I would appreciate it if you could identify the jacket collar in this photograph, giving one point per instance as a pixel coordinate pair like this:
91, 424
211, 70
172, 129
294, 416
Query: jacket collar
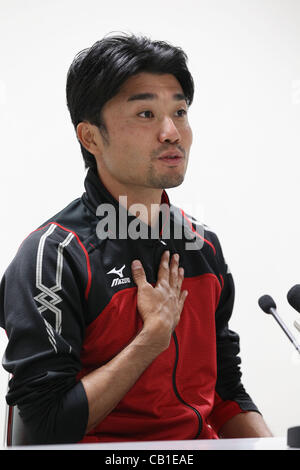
96, 194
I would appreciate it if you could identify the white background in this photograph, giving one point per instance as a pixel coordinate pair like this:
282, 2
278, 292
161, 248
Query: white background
244, 166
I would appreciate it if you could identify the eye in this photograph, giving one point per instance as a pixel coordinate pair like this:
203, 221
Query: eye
181, 112
146, 114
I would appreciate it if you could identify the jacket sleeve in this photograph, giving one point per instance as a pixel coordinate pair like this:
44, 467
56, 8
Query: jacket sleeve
42, 311
230, 395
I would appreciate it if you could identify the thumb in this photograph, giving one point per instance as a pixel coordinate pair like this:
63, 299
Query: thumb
138, 272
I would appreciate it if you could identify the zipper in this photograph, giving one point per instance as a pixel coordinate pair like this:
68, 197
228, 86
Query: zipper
176, 390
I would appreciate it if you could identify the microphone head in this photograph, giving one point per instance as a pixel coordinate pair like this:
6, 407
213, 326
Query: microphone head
266, 303
293, 297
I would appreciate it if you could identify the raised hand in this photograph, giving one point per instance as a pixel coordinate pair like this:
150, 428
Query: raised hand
160, 307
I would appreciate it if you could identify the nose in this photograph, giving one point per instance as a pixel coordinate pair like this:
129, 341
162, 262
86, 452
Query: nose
168, 131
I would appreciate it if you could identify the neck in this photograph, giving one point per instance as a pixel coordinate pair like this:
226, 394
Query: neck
143, 203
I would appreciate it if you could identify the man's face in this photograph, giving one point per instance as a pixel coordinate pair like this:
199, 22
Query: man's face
149, 137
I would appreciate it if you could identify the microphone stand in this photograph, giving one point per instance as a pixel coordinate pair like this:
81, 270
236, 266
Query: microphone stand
268, 305
293, 437
293, 433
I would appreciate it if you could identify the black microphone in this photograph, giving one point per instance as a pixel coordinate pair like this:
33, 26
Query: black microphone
268, 305
293, 297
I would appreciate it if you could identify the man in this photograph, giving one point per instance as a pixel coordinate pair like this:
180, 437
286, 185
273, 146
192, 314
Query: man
115, 337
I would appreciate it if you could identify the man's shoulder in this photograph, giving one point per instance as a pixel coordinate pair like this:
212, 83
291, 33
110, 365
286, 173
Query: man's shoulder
75, 217
73, 225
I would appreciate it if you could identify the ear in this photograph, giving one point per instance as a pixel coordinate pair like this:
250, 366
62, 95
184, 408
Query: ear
90, 137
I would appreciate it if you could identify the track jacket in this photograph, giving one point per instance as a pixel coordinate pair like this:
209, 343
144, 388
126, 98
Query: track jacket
68, 305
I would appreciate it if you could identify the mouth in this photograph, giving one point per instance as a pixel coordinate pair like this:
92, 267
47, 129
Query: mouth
172, 158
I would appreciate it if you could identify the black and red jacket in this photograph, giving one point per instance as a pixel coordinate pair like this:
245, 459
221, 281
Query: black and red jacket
68, 305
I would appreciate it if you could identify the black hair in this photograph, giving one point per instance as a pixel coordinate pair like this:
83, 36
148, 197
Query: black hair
98, 72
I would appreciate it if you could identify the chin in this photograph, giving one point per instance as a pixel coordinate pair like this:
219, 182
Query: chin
164, 181
173, 182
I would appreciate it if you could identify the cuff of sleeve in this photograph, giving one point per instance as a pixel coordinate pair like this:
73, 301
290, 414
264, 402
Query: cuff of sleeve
73, 416
62, 423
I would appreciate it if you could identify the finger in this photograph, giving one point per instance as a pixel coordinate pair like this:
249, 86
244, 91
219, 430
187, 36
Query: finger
182, 299
138, 273
180, 278
163, 270
174, 270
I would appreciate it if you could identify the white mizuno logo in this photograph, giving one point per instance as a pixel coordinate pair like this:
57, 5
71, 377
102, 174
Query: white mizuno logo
121, 279
119, 272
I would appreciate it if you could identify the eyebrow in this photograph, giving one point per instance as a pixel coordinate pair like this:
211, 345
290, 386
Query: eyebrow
153, 96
